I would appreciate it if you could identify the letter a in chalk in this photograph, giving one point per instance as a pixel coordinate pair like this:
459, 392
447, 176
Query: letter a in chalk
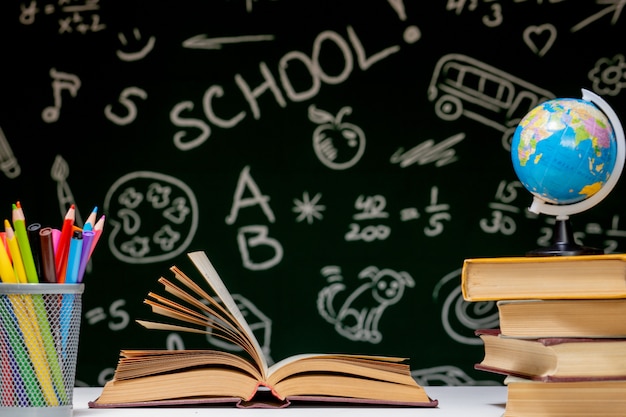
246, 181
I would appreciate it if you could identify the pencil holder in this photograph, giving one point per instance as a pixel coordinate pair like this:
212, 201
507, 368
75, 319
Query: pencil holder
39, 332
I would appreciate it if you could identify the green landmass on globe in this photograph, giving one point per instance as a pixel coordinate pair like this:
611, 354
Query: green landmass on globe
564, 150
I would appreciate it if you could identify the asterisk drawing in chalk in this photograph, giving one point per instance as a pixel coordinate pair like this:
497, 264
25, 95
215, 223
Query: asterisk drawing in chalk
308, 208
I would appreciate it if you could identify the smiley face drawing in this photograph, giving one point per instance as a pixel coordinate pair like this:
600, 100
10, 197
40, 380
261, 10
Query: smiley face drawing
338, 145
154, 217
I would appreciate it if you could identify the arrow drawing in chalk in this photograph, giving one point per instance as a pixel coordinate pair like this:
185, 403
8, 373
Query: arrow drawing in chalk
613, 6
202, 42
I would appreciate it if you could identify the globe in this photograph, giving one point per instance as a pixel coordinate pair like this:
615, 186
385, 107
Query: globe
564, 150
569, 153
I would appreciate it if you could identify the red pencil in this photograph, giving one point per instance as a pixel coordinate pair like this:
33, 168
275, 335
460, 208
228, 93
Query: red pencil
63, 246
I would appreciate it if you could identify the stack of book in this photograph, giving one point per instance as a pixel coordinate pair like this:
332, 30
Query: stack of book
561, 343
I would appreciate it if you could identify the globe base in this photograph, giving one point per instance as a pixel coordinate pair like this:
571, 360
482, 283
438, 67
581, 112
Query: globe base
563, 243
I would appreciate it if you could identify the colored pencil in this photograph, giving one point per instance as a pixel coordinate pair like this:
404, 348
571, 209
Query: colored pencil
6, 268
88, 236
91, 220
73, 259
24, 372
63, 246
3, 237
36, 310
29, 322
8, 368
97, 228
19, 227
14, 248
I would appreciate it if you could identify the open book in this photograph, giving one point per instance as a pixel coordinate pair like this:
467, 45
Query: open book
162, 377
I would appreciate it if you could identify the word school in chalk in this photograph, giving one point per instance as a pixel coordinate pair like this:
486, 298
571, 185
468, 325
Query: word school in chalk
183, 139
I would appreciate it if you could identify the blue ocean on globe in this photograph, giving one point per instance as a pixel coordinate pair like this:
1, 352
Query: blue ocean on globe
564, 150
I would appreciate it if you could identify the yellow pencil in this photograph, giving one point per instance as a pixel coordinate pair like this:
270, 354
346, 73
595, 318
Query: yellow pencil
14, 249
6, 269
26, 314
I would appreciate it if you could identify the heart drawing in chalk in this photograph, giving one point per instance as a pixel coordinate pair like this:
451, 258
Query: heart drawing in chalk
535, 36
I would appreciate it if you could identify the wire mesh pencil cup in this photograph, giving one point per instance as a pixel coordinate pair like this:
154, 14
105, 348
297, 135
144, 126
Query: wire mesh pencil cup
39, 333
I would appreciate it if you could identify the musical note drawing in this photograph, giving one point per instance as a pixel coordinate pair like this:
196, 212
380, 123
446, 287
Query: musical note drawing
60, 81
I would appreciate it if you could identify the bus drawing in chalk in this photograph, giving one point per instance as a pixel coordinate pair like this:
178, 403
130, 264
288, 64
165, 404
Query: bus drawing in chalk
464, 86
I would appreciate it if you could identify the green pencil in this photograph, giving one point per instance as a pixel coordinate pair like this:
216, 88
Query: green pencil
49, 345
19, 225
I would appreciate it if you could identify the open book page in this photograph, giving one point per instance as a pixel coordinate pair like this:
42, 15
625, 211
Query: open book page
200, 312
204, 265
389, 369
142, 363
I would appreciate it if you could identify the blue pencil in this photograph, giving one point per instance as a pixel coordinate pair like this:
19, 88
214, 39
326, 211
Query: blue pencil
73, 259
91, 220
65, 321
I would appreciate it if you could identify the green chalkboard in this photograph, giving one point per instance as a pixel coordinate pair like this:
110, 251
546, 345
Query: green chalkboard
328, 157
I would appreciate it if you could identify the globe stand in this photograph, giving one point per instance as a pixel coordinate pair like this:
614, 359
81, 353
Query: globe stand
563, 243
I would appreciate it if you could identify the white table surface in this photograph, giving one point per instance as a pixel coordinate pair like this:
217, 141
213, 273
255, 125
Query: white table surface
475, 401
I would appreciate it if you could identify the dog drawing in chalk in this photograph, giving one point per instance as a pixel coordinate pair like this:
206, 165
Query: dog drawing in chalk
358, 316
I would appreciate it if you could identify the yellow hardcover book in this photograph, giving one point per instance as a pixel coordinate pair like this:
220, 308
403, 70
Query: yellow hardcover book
526, 398
549, 277
562, 318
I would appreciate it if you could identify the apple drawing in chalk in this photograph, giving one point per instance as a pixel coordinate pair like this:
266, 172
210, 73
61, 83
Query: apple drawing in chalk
337, 144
